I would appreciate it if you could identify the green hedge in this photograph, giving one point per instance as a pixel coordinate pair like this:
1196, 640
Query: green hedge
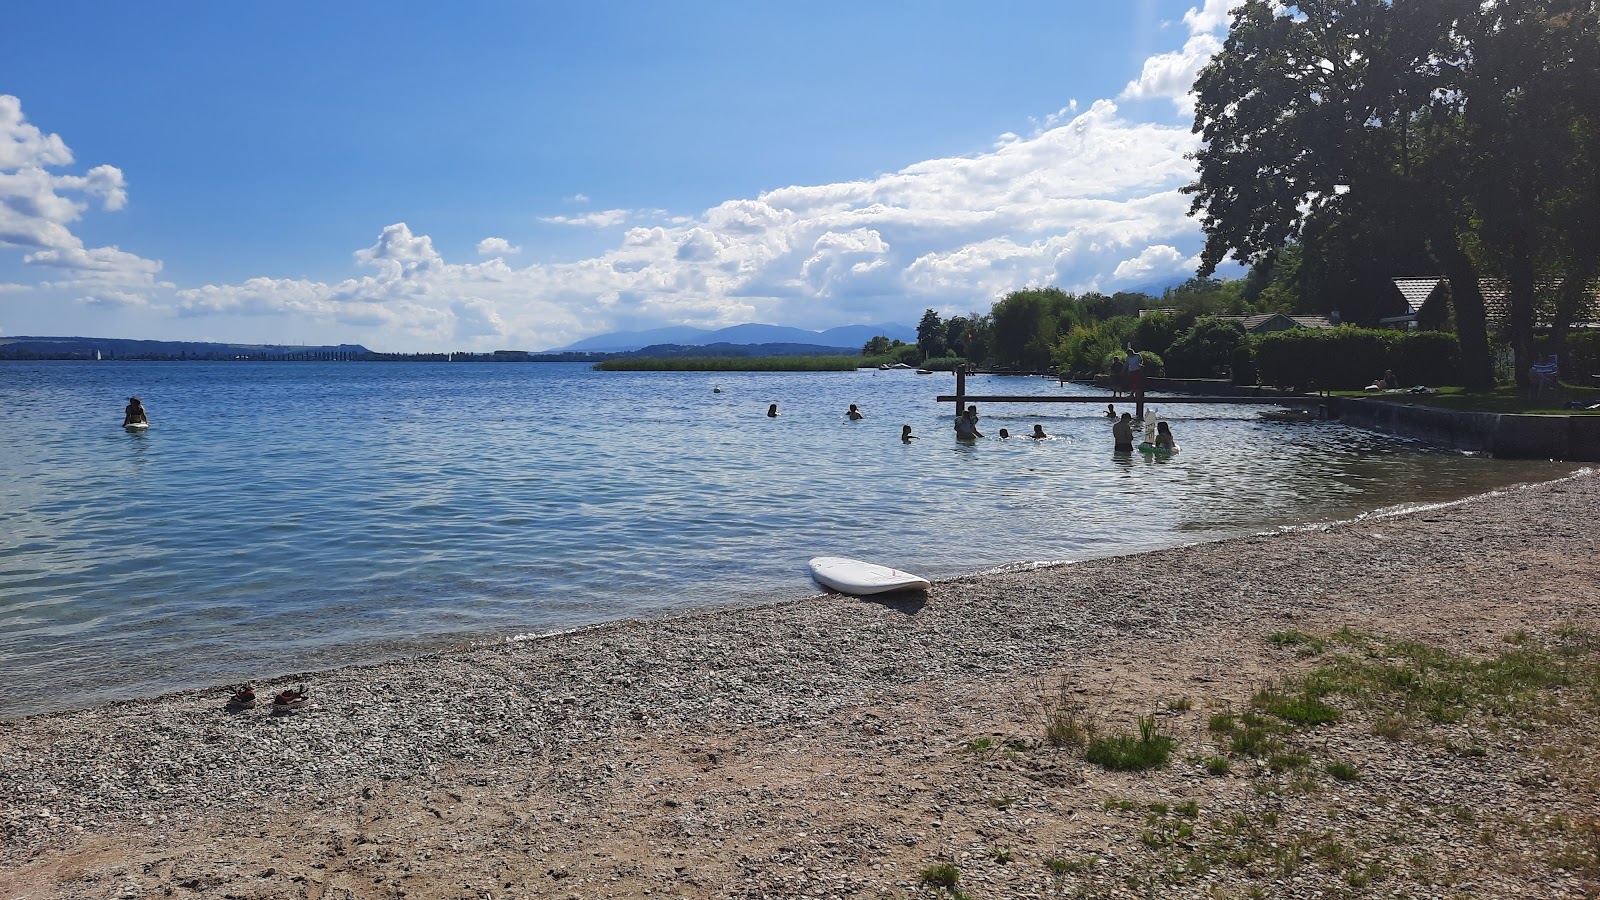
1349, 358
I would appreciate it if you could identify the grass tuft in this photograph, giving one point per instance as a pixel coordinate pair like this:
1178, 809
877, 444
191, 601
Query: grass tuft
1129, 753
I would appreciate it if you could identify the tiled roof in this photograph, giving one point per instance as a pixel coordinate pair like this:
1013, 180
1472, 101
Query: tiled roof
1497, 297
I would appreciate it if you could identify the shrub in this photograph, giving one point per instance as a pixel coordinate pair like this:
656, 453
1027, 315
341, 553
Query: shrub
1243, 367
1425, 357
1206, 350
1343, 358
944, 364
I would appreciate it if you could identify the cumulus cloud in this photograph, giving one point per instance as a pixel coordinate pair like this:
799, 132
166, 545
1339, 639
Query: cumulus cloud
37, 209
496, 246
8, 288
1171, 75
1212, 17
1070, 205
1153, 261
1087, 199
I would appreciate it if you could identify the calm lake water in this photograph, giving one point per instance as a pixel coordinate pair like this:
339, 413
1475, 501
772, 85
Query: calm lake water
282, 517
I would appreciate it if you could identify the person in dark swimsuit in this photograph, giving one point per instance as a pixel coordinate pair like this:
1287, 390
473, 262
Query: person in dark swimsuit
134, 414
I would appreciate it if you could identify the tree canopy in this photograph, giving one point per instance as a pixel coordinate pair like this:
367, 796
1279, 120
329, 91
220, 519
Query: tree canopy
1380, 134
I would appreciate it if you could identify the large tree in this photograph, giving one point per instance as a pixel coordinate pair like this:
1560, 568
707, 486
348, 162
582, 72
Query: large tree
1452, 123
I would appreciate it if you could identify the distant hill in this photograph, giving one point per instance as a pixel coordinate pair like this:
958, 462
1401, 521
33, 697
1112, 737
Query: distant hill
30, 347
723, 349
851, 336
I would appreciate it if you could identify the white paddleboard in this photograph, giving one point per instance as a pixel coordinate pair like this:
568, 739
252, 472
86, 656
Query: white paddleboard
136, 426
852, 576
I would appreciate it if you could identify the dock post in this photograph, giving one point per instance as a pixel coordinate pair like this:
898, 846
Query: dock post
961, 389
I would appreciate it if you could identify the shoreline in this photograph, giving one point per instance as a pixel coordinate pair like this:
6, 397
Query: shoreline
703, 753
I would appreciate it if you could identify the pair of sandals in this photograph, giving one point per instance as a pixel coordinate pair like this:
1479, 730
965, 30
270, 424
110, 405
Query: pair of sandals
285, 702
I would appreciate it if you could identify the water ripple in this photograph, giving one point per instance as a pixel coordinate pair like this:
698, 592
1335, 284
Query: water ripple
283, 517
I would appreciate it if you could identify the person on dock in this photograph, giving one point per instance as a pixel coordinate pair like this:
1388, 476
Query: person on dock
1122, 431
1118, 376
1038, 432
854, 414
134, 413
772, 411
906, 436
1164, 440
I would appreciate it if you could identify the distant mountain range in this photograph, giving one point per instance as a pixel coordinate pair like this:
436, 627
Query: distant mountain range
852, 337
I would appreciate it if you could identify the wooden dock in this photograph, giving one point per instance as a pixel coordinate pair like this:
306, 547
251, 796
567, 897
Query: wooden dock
961, 398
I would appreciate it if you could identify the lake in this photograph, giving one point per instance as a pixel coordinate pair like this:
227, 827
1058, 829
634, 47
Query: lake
284, 517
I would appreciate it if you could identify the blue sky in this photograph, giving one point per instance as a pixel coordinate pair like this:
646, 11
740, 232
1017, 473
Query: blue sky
514, 175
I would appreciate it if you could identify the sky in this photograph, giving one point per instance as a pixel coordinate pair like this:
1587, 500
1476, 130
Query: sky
516, 175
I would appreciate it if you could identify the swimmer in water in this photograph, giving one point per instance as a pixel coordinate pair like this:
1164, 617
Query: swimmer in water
1038, 432
854, 414
772, 411
906, 436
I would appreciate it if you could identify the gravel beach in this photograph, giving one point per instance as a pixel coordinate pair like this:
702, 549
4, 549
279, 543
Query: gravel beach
836, 747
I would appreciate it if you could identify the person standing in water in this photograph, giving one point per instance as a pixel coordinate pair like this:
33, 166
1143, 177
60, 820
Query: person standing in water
854, 414
906, 436
1038, 432
772, 411
134, 413
967, 425
1122, 431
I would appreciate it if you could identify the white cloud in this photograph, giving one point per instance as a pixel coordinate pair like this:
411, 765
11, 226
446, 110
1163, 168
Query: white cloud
1212, 17
496, 246
8, 288
1170, 76
115, 300
601, 219
578, 198
1065, 206
1155, 261
1086, 200
36, 210
24, 146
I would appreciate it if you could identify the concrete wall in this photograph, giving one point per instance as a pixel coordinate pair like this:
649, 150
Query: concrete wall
1504, 435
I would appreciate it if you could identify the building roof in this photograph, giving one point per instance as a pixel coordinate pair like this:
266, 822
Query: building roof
1496, 298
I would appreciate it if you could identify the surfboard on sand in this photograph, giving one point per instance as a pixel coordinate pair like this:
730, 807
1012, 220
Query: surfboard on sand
852, 576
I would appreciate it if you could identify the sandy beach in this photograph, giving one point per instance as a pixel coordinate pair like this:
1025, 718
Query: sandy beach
835, 747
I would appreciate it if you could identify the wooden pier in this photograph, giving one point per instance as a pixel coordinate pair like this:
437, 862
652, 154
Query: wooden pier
961, 398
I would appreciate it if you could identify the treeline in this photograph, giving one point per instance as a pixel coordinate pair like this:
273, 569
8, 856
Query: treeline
1048, 329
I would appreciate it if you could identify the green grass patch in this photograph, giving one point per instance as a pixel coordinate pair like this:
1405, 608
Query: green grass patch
1131, 753
1342, 771
1060, 865
941, 875
1217, 765
1304, 644
1299, 707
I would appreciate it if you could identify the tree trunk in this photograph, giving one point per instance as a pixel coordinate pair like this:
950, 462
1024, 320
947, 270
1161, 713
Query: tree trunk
1522, 309
1472, 330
